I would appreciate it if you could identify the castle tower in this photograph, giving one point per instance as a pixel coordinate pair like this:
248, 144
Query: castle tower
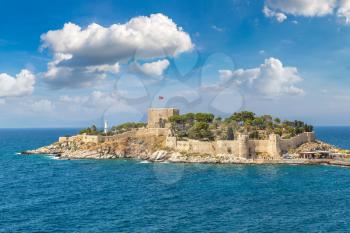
158, 117
243, 146
105, 127
274, 148
310, 136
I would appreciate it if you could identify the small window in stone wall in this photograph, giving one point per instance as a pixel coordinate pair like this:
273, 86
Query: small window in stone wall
161, 123
229, 150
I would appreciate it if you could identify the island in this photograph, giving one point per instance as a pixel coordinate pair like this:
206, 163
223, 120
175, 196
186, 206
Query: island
168, 136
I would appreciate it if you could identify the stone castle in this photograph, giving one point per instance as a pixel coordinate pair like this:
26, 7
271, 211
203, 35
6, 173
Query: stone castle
241, 148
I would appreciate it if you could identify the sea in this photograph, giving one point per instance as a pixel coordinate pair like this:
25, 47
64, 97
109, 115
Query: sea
42, 194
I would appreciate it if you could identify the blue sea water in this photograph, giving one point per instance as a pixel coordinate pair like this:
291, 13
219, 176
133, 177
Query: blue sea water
40, 194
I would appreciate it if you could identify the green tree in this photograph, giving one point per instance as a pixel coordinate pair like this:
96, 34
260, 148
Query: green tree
242, 117
267, 118
90, 131
308, 128
278, 131
218, 119
179, 125
259, 122
230, 134
188, 118
94, 128
277, 121
178, 119
127, 127
204, 117
200, 131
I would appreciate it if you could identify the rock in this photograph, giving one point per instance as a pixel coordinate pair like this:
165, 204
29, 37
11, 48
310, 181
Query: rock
160, 155
315, 146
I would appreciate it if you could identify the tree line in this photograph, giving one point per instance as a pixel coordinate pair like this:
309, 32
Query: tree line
205, 126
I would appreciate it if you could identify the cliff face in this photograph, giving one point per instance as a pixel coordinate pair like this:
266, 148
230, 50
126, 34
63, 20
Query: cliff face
139, 147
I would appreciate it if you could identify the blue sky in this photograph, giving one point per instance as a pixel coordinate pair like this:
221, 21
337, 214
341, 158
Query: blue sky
287, 58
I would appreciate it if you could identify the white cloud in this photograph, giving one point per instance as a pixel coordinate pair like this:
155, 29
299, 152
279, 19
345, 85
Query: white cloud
97, 102
21, 85
97, 99
73, 99
343, 12
306, 8
42, 106
270, 80
216, 28
280, 17
100, 99
156, 68
226, 74
2, 101
63, 76
114, 69
85, 55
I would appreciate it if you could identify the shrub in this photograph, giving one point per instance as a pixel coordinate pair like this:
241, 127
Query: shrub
128, 126
90, 131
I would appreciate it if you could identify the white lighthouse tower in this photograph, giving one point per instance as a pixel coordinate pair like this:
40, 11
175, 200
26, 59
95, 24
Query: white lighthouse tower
105, 127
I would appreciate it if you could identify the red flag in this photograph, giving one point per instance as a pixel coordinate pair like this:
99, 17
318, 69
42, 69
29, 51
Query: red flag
161, 97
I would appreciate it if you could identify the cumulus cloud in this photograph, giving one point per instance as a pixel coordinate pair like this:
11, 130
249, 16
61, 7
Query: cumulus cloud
270, 80
21, 85
60, 77
279, 9
156, 68
343, 11
280, 17
87, 54
302, 7
42, 106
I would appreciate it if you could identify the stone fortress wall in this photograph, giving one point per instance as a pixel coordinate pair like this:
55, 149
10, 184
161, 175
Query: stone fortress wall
83, 137
100, 138
242, 147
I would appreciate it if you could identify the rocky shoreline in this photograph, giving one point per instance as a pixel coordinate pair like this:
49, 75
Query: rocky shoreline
176, 157
152, 149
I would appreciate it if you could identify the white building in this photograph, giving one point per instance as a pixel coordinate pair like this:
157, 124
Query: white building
106, 127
